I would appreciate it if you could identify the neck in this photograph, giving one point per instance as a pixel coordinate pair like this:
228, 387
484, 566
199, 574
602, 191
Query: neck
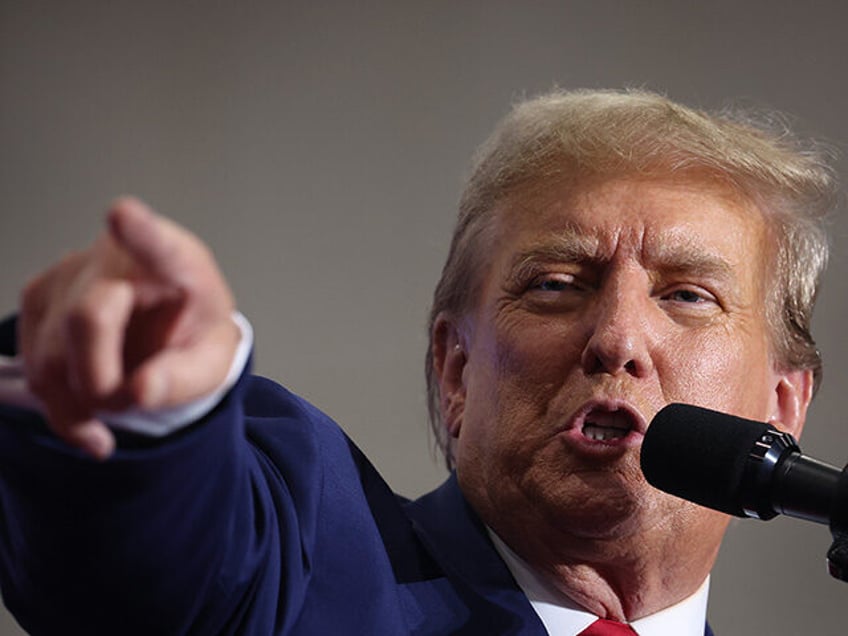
622, 578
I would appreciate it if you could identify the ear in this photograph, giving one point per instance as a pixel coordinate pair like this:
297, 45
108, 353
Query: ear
793, 393
449, 358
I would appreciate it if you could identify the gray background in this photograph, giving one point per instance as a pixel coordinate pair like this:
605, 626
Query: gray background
319, 149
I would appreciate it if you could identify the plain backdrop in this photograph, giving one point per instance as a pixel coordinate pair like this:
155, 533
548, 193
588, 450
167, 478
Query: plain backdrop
319, 148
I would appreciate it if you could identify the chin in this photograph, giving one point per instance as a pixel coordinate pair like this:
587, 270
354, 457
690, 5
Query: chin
610, 518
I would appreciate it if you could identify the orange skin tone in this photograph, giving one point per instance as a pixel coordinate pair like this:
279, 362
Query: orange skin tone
624, 294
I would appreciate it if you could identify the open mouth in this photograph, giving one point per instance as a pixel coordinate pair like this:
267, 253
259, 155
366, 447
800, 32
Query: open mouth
605, 426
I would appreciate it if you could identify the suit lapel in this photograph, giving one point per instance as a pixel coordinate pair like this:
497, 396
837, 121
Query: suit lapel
458, 540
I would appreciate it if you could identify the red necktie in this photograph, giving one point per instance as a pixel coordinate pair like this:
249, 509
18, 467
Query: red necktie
603, 627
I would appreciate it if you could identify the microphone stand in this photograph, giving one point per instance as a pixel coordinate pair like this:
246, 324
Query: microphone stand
837, 556
816, 491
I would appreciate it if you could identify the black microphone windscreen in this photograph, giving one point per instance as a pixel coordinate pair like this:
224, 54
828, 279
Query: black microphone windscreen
700, 455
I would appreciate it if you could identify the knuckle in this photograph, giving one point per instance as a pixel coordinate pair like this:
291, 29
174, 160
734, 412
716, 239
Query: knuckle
89, 314
45, 291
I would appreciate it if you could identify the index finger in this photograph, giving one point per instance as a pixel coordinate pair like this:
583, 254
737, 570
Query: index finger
160, 246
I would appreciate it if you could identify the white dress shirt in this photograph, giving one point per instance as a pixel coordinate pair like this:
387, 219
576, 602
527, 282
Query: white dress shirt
563, 617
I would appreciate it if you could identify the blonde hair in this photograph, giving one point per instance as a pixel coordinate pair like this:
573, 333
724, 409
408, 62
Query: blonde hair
583, 133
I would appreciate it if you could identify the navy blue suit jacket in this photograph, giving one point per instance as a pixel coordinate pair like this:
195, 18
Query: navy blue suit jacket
262, 519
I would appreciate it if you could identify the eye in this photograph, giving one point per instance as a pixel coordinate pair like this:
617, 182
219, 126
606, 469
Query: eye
555, 283
555, 292
686, 296
690, 297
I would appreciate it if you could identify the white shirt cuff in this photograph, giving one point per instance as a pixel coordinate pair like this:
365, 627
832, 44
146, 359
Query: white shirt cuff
152, 423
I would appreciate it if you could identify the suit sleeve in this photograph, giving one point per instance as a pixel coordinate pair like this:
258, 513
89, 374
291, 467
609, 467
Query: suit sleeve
261, 519
201, 533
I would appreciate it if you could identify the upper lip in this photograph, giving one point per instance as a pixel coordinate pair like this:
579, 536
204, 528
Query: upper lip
638, 423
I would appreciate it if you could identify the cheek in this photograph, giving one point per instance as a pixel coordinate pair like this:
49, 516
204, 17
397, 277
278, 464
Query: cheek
728, 374
512, 375
533, 362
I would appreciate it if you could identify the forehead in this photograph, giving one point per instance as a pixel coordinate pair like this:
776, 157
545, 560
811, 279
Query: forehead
652, 220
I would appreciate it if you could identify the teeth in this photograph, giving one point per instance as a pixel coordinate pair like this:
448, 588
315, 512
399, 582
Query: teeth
603, 433
605, 425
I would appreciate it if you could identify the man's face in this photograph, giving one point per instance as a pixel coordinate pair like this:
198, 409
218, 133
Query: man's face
601, 305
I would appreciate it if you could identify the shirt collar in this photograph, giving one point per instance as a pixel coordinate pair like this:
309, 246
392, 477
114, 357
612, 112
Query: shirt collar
561, 615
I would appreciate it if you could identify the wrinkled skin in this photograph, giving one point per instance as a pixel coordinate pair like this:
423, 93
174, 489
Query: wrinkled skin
618, 297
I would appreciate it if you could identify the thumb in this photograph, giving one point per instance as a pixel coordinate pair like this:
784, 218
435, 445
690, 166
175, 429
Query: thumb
178, 375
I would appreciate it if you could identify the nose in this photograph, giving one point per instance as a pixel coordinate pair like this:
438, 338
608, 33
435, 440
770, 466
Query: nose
620, 332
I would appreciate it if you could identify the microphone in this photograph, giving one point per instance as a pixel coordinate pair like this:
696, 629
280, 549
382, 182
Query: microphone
736, 466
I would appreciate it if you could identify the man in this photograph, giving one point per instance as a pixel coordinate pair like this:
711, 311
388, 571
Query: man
615, 252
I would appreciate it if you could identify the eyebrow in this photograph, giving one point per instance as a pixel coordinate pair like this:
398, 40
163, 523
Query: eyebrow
573, 246
569, 246
689, 257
